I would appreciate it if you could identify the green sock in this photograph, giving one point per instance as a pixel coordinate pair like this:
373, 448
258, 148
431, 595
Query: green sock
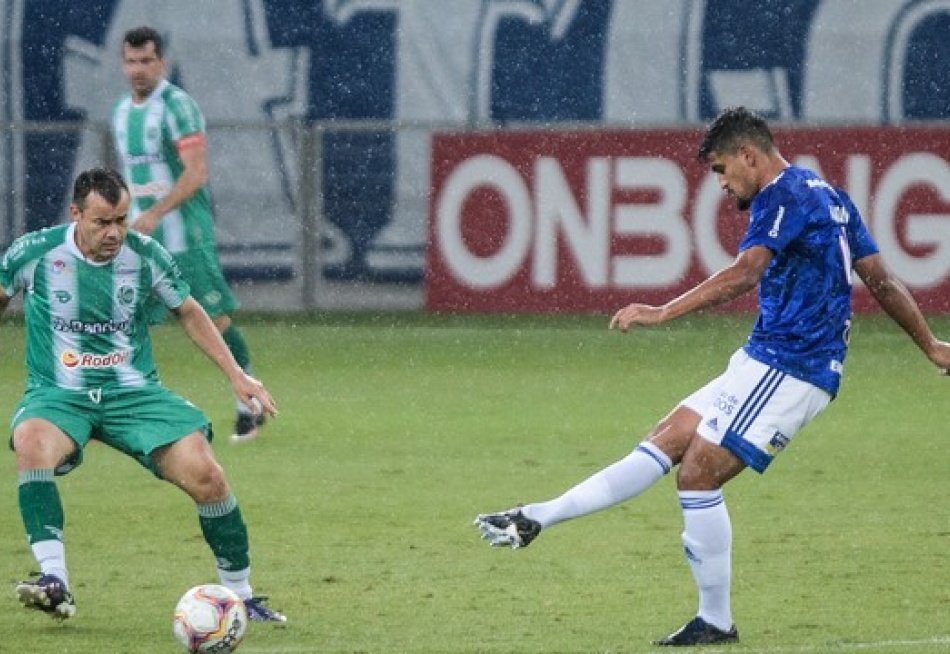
226, 534
238, 346
40, 506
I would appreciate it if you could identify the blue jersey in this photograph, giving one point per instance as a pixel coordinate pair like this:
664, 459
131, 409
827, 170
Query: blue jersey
815, 234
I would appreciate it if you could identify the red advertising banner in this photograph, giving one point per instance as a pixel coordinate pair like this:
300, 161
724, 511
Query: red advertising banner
589, 221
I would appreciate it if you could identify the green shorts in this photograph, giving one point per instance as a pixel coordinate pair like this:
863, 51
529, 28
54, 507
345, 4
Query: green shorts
135, 421
202, 270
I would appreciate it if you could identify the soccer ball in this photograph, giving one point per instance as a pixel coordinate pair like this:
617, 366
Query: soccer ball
210, 618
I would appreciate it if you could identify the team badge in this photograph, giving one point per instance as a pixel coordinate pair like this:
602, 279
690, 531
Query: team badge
778, 443
125, 295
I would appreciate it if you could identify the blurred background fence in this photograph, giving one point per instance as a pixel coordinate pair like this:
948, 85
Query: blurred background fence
275, 241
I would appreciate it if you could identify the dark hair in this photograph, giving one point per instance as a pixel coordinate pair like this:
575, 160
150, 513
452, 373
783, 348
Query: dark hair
733, 127
141, 35
105, 182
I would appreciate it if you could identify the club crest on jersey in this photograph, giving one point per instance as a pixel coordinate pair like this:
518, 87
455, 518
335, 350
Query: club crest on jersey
125, 295
63, 296
72, 359
778, 443
59, 266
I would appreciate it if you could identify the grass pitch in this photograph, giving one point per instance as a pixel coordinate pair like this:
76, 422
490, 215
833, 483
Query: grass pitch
395, 430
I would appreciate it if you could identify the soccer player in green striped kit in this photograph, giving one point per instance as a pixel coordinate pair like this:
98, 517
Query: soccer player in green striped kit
91, 374
159, 134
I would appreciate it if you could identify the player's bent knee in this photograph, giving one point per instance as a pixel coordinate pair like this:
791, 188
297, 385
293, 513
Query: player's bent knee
40, 445
210, 484
691, 477
697, 473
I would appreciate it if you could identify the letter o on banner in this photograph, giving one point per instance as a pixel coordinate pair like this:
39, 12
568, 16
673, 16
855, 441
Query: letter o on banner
479, 172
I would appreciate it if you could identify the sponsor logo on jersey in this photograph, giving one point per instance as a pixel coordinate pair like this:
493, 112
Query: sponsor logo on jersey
80, 327
112, 359
21, 244
144, 159
151, 189
726, 403
63, 296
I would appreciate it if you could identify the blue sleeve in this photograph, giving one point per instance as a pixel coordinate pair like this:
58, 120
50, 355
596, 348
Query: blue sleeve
860, 241
775, 220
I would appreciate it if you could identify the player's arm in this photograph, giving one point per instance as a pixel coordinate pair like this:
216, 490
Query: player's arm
196, 323
738, 278
899, 304
193, 152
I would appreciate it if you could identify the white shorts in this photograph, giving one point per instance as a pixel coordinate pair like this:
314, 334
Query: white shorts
754, 410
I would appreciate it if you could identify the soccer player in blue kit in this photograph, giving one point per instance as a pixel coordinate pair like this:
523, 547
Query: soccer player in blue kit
803, 242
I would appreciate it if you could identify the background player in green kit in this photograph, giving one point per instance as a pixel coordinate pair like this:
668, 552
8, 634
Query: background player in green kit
91, 374
159, 133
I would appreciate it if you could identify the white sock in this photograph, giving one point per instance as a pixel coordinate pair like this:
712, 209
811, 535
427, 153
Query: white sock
707, 540
620, 481
238, 581
51, 556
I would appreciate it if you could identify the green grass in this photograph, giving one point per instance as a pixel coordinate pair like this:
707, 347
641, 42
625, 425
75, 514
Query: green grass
396, 430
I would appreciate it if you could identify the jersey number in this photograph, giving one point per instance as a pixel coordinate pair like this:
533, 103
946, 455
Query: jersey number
846, 254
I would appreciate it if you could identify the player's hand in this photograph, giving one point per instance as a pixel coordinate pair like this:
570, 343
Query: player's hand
254, 396
636, 314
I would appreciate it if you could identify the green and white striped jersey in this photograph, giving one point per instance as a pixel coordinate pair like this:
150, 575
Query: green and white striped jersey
86, 322
147, 136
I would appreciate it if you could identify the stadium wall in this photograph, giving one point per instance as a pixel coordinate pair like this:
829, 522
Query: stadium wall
381, 104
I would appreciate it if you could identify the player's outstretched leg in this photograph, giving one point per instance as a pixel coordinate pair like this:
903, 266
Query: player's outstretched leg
47, 593
510, 528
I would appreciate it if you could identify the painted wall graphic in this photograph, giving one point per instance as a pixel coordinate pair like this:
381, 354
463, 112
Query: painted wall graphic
452, 64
